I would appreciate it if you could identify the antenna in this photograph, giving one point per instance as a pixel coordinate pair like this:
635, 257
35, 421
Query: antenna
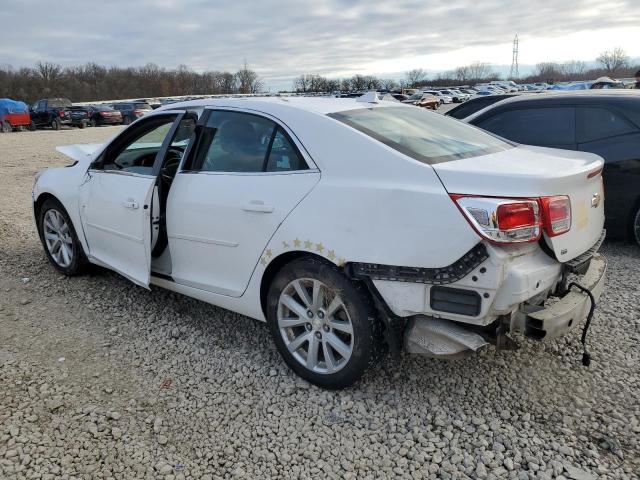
514, 59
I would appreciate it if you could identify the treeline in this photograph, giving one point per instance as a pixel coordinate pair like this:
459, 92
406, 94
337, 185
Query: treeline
614, 63
96, 82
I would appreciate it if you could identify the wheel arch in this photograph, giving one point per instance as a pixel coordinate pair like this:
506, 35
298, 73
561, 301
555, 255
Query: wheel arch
276, 265
77, 225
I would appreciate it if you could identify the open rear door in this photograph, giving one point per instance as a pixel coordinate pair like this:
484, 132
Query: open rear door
115, 210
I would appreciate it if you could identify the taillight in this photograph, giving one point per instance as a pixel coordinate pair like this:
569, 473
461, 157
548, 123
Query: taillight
516, 220
61, 113
556, 212
502, 220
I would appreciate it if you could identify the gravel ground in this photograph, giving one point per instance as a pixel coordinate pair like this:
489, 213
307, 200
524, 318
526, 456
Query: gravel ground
102, 379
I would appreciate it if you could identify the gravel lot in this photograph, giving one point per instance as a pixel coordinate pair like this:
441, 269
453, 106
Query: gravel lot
103, 379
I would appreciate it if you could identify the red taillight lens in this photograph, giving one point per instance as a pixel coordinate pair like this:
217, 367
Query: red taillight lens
61, 113
556, 212
516, 215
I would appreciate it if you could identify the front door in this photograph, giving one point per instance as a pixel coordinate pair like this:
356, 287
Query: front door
244, 179
115, 199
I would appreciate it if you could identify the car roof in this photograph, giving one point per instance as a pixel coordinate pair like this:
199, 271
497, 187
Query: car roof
596, 96
318, 105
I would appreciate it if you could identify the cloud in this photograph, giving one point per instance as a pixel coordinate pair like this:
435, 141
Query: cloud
283, 38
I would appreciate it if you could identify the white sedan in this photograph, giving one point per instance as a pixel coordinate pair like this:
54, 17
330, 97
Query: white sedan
352, 226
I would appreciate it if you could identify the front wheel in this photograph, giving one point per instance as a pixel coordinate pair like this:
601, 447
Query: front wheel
60, 240
321, 323
6, 127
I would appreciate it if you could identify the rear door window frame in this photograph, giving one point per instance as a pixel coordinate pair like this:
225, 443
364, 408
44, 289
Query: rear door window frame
188, 166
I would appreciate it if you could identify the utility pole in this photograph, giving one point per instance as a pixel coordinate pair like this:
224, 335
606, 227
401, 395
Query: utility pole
514, 59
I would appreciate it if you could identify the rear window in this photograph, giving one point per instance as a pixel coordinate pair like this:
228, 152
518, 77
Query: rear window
425, 136
103, 108
143, 106
598, 123
545, 126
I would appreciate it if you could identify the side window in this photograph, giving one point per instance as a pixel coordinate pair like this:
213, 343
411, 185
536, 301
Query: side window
42, 106
138, 154
534, 126
235, 142
284, 156
598, 123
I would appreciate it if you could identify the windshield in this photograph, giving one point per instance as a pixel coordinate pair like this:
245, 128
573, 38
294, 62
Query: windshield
425, 136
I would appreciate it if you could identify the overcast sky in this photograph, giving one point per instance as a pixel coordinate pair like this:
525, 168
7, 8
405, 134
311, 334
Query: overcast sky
283, 38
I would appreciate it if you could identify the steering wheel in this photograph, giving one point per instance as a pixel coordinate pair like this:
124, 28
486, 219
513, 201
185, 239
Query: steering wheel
171, 163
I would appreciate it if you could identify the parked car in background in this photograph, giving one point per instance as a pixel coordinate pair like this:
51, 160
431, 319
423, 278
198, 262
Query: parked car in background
476, 104
79, 116
456, 96
131, 111
245, 204
14, 115
508, 85
424, 100
51, 112
104, 115
442, 98
605, 122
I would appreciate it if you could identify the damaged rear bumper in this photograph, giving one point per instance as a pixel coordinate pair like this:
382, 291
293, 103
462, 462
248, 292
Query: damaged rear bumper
559, 317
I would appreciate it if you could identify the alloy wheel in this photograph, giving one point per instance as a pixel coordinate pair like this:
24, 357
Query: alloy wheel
315, 325
57, 237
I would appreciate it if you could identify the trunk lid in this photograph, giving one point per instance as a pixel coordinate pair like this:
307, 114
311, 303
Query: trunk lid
526, 171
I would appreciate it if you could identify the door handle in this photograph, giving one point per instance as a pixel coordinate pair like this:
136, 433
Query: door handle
257, 206
130, 204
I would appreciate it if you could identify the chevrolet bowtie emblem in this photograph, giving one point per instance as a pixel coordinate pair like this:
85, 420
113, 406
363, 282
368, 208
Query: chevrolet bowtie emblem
595, 200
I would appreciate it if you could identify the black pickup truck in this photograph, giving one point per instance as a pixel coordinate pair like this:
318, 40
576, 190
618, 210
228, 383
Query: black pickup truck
51, 112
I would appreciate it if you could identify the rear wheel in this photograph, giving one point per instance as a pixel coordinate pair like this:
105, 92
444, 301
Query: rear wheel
126, 120
92, 123
59, 238
635, 227
56, 124
321, 323
6, 127
32, 126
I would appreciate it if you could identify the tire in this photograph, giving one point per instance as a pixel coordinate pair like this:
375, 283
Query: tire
635, 227
51, 216
81, 125
345, 340
55, 124
92, 123
6, 127
32, 126
126, 120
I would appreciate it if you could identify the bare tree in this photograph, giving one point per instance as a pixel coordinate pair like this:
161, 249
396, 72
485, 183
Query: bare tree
248, 80
613, 60
573, 69
415, 76
389, 84
479, 71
